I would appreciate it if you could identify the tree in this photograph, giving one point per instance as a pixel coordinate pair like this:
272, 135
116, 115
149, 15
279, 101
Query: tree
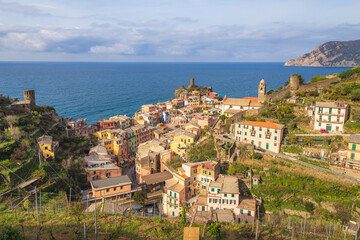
222, 118
140, 197
183, 215
293, 139
308, 141
213, 230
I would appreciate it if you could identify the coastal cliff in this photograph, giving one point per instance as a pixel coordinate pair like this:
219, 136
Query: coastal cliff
330, 54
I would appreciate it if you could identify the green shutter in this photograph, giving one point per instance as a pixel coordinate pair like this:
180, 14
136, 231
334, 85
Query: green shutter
267, 146
352, 156
354, 147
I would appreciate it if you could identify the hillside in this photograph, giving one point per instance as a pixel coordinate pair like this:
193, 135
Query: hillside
330, 54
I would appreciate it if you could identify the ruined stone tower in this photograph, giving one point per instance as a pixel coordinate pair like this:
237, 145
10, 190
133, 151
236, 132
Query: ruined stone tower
192, 82
262, 91
294, 82
29, 95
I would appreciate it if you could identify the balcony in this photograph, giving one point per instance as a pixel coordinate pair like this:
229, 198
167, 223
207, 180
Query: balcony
268, 133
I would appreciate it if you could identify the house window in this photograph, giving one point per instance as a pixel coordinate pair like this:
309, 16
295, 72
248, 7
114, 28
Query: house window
46, 148
175, 195
212, 190
121, 188
352, 156
215, 200
170, 200
225, 195
232, 195
210, 200
170, 193
94, 172
319, 124
108, 174
231, 201
114, 188
188, 140
241, 211
107, 190
260, 129
267, 146
245, 133
218, 191
249, 213
353, 147
275, 137
182, 140
209, 173
259, 135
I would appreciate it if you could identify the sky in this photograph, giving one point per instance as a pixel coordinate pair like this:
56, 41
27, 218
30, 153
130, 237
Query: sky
172, 30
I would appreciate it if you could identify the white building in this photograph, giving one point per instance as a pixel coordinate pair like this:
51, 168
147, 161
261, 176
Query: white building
224, 193
239, 104
331, 116
266, 135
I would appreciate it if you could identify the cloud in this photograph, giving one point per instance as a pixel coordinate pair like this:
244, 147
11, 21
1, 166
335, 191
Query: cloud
216, 43
184, 20
117, 48
21, 9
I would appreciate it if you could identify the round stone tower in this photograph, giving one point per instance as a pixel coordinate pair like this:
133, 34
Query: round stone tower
30, 96
192, 82
262, 91
294, 82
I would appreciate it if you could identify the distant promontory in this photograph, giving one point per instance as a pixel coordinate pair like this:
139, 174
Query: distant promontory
330, 54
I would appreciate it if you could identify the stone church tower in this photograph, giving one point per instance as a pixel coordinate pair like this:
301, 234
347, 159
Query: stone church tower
262, 91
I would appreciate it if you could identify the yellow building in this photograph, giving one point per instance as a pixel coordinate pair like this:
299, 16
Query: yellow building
47, 146
353, 154
113, 140
182, 140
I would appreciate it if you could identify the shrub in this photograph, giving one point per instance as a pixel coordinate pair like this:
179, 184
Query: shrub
257, 156
349, 73
10, 233
309, 206
317, 79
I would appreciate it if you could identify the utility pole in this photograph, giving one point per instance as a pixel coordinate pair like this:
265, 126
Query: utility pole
84, 230
69, 201
87, 206
37, 211
116, 207
95, 219
40, 203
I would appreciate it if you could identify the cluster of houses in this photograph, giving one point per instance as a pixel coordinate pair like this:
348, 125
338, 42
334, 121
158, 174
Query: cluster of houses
133, 153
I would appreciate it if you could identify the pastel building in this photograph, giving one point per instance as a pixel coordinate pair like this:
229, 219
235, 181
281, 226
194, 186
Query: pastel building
110, 187
353, 153
182, 140
123, 121
224, 193
331, 116
47, 146
102, 171
266, 135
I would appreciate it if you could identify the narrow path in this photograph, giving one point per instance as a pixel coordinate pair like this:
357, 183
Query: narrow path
322, 134
313, 166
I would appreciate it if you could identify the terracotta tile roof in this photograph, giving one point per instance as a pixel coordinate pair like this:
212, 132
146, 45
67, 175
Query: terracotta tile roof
247, 204
236, 102
253, 99
263, 124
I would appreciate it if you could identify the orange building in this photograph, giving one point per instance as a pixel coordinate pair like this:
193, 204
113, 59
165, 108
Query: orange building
110, 187
102, 171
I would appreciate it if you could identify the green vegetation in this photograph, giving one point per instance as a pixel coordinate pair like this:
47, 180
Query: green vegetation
283, 190
202, 152
317, 79
343, 91
140, 197
316, 163
236, 167
8, 232
349, 73
283, 113
175, 162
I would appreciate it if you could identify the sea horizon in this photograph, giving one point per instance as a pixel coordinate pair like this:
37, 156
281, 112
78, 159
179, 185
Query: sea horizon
98, 90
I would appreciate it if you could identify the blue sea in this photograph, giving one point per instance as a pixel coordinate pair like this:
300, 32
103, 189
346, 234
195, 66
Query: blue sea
99, 90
